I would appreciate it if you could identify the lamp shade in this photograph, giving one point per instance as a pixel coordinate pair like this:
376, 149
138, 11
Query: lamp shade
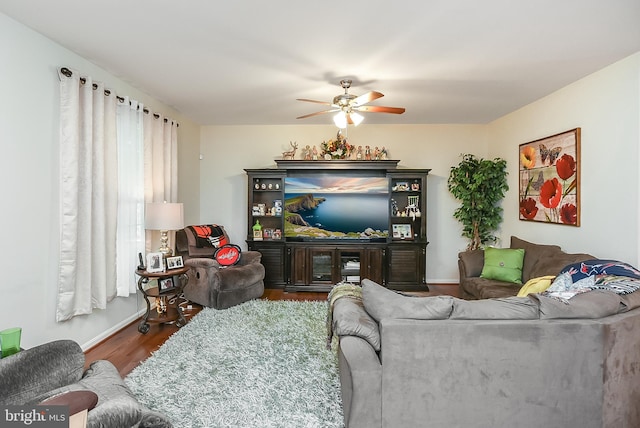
163, 216
340, 119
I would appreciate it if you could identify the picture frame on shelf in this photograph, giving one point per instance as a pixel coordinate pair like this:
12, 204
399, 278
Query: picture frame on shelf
277, 234
401, 231
167, 284
175, 262
402, 186
155, 262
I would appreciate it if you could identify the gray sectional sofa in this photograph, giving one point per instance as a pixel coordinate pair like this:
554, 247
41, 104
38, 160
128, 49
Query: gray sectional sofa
525, 362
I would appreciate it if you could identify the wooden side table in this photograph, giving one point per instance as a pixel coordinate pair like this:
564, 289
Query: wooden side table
166, 293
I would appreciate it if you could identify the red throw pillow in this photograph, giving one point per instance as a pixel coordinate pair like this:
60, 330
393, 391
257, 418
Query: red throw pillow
227, 255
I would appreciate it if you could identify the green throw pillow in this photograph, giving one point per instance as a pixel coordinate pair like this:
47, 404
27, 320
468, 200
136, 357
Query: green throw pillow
503, 264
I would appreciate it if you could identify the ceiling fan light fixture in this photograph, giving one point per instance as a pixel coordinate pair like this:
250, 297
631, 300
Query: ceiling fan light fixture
347, 104
356, 118
340, 119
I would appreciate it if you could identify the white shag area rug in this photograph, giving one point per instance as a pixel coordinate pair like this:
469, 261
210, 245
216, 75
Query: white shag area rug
259, 364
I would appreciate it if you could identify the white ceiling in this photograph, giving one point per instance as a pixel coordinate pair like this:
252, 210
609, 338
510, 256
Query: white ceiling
246, 61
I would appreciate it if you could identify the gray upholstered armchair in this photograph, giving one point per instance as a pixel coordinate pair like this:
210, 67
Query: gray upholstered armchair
42, 372
216, 286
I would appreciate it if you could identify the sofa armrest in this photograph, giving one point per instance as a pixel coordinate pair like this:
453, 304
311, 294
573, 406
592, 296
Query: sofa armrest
360, 383
250, 257
27, 375
117, 405
203, 263
470, 263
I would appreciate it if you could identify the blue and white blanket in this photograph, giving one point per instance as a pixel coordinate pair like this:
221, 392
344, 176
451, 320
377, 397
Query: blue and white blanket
597, 274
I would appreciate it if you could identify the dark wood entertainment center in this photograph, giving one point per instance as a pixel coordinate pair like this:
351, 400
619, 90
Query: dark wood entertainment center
396, 261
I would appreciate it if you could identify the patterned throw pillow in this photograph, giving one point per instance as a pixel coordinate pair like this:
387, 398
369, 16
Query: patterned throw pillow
503, 264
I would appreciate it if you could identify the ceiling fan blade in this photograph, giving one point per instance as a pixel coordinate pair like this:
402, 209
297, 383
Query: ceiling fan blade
349, 120
314, 101
317, 113
380, 109
367, 98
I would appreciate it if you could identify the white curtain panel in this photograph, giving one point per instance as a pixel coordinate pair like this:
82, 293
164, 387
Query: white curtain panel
88, 197
160, 165
131, 234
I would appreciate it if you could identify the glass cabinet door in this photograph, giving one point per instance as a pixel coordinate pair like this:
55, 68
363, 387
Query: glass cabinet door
321, 266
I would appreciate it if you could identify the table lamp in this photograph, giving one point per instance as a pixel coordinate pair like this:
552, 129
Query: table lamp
164, 217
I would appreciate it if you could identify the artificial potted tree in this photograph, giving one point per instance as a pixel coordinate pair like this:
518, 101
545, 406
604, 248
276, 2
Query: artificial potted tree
480, 185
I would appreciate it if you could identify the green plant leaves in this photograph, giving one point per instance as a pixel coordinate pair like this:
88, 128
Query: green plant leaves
480, 185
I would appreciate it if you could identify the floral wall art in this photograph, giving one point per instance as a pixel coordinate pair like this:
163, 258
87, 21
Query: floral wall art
550, 179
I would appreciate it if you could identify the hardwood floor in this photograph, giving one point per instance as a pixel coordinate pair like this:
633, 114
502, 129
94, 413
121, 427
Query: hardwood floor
127, 348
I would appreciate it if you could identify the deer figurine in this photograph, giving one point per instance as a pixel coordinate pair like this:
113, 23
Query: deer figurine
290, 155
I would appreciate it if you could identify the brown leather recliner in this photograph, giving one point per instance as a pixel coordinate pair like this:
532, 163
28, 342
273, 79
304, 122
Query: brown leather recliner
216, 286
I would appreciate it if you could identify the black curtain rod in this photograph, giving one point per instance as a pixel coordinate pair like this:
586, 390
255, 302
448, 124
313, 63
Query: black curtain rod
69, 73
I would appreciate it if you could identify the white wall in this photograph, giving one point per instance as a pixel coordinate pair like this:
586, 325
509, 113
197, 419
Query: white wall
227, 150
606, 106
29, 120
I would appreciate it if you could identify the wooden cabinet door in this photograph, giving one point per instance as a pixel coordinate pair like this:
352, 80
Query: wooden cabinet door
299, 275
273, 260
405, 265
374, 265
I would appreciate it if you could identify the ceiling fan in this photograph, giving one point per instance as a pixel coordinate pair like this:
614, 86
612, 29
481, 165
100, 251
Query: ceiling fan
348, 105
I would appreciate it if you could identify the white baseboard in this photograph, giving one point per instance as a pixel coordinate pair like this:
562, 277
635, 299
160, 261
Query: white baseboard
112, 330
441, 281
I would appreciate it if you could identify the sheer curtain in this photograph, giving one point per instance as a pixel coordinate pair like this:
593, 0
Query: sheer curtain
160, 164
130, 230
113, 159
88, 197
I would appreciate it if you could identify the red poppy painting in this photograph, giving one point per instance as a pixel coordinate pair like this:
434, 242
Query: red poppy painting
550, 179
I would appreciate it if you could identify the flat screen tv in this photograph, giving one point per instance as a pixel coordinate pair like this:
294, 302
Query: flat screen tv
330, 206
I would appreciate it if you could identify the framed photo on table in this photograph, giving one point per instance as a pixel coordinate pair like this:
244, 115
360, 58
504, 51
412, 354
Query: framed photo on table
155, 262
167, 284
401, 231
174, 262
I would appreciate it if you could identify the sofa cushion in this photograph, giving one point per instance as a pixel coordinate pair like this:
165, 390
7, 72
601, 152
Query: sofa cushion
382, 303
630, 301
508, 308
350, 319
590, 305
532, 253
482, 288
554, 263
503, 264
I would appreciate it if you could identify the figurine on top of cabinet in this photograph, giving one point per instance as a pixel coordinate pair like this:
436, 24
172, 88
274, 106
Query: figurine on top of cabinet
307, 153
290, 154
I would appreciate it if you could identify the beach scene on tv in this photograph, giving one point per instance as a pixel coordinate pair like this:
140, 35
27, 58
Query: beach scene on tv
330, 207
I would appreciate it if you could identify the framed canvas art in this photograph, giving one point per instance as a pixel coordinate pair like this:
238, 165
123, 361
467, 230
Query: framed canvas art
549, 187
